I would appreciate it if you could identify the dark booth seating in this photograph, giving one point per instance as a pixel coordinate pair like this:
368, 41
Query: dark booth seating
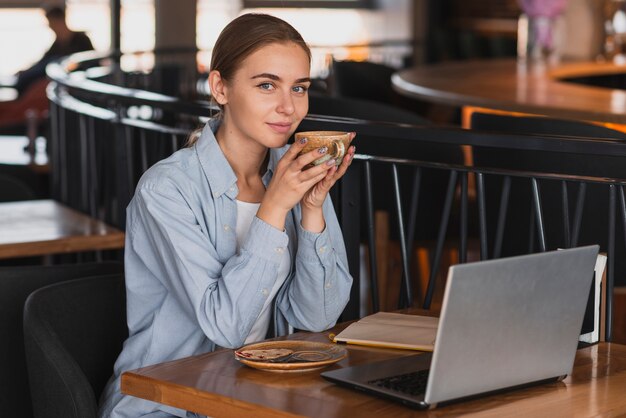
73, 332
371, 81
16, 283
362, 109
362, 80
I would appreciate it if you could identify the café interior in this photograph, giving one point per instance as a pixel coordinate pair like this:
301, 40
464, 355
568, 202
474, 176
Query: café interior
484, 129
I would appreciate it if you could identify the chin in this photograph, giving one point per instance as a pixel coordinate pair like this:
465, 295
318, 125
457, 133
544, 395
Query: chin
276, 140
280, 143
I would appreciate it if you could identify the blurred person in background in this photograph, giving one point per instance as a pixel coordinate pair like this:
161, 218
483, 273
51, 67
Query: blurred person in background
31, 83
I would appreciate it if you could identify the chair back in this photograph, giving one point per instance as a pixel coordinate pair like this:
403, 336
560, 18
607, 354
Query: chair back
362, 109
73, 332
365, 80
16, 283
362, 80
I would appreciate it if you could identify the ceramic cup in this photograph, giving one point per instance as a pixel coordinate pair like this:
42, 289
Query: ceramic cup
337, 142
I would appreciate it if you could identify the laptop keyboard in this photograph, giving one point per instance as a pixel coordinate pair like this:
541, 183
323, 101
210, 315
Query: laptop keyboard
411, 383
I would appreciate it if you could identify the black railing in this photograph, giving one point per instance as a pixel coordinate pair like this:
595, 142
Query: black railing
100, 147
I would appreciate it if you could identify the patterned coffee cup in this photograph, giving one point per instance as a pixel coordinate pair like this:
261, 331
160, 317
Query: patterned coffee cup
337, 143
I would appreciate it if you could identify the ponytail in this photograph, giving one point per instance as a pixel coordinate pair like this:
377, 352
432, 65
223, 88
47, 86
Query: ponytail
193, 138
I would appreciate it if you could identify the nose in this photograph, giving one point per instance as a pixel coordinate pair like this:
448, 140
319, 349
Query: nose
286, 104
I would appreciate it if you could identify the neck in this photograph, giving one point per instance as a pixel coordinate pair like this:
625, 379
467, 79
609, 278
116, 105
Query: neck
247, 158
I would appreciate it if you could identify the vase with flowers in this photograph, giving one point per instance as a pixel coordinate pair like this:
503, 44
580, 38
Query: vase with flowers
540, 30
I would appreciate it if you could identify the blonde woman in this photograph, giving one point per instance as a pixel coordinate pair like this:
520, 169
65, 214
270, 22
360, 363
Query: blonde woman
232, 233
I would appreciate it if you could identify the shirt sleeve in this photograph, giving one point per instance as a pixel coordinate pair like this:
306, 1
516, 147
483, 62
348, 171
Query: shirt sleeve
224, 296
321, 285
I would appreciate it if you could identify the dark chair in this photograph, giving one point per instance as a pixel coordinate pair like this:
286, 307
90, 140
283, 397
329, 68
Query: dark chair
16, 283
369, 110
371, 81
73, 332
362, 80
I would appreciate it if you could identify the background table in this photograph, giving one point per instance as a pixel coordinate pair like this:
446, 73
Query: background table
45, 227
217, 385
506, 85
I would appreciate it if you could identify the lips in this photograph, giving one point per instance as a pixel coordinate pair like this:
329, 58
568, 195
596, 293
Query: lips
280, 127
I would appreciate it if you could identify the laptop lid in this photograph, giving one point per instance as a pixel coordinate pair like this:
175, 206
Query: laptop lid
509, 322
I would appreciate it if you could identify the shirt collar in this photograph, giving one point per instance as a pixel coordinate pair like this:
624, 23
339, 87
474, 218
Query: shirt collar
217, 170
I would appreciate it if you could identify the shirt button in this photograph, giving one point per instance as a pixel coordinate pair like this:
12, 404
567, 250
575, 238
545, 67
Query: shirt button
328, 285
232, 188
323, 249
215, 194
279, 250
226, 228
264, 292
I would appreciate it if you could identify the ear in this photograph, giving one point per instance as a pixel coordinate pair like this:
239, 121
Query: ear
218, 87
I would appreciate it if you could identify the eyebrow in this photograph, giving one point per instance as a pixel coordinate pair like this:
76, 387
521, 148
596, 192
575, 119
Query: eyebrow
277, 78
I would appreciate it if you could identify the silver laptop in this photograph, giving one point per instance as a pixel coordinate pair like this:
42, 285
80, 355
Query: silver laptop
504, 324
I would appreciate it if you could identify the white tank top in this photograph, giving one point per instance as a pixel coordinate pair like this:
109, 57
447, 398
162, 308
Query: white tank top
245, 214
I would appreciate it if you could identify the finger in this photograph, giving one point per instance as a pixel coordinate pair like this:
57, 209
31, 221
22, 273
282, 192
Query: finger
329, 180
311, 156
295, 148
314, 171
314, 180
345, 163
347, 159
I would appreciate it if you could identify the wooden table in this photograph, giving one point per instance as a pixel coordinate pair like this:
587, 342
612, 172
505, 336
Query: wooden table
45, 227
215, 384
506, 85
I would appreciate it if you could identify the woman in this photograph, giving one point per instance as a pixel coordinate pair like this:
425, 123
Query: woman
233, 231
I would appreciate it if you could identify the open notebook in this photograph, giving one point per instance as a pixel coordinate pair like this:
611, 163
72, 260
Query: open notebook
394, 330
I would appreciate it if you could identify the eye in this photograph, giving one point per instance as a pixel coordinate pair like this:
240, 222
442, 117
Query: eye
266, 86
299, 89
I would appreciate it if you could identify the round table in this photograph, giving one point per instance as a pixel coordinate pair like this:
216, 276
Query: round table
507, 85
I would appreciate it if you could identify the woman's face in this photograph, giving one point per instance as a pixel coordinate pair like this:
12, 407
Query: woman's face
267, 96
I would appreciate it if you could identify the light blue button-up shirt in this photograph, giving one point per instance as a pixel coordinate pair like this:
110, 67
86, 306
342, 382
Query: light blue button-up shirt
188, 289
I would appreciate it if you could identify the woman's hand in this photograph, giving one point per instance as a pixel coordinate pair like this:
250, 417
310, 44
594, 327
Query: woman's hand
315, 196
290, 182
313, 199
